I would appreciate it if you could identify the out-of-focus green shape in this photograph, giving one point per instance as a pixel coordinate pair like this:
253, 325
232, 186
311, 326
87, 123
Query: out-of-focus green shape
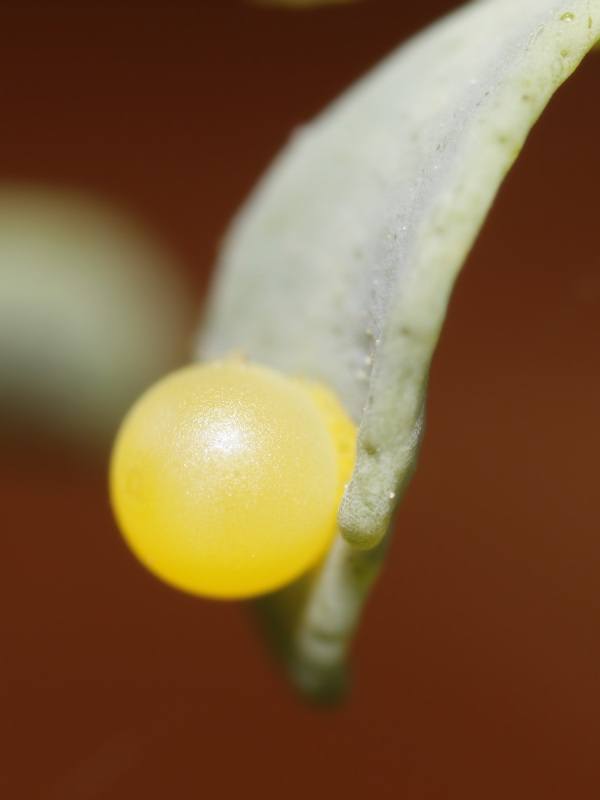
341, 263
91, 312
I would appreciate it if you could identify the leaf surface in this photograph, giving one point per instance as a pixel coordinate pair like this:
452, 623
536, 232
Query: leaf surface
341, 264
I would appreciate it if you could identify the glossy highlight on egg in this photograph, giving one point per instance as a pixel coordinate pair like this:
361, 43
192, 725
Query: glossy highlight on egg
226, 477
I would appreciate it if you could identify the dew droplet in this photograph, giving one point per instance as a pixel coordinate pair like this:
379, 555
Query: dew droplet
567, 17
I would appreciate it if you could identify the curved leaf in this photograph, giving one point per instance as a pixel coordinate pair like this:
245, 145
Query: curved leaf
341, 264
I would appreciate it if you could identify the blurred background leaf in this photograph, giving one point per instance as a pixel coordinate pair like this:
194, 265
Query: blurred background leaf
92, 311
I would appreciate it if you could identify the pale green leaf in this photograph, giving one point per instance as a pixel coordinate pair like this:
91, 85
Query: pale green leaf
341, 264
91, 312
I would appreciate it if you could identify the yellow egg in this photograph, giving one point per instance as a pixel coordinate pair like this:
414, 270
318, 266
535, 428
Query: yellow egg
226, 477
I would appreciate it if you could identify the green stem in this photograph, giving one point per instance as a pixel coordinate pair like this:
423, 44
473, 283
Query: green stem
311, 623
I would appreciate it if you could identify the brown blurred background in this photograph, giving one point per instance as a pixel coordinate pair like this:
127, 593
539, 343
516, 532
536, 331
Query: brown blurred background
477, 668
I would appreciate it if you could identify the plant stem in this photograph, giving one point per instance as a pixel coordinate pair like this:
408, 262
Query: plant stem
311, 623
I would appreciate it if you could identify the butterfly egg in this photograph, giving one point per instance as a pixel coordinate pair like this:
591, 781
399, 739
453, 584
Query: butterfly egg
226, 477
